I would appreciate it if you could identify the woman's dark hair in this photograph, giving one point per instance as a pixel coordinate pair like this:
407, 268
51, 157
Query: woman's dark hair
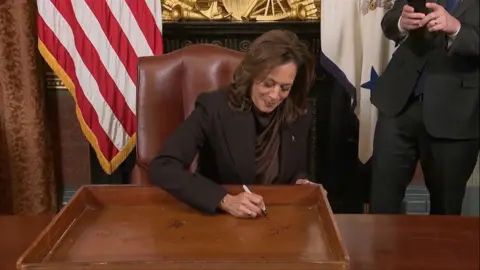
272, 49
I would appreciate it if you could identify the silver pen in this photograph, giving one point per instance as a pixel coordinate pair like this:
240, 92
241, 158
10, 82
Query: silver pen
264, 209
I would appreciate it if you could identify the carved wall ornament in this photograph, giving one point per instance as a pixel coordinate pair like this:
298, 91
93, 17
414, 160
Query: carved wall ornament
240, 10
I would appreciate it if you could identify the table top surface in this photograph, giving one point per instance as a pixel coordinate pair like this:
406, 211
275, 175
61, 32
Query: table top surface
373, 241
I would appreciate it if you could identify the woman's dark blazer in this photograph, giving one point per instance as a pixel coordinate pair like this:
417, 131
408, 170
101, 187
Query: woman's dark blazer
225, 142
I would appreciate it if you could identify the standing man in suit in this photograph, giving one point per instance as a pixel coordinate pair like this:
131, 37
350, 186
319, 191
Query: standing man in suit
428, 102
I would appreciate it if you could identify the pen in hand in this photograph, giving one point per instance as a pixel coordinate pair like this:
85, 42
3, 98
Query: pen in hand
264, 209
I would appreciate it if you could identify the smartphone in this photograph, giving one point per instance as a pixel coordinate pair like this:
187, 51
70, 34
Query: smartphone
419, 6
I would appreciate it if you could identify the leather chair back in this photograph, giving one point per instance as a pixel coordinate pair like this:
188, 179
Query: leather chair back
167, 88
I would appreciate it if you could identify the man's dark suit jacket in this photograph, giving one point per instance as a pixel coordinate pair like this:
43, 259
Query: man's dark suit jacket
451, 92
225, 142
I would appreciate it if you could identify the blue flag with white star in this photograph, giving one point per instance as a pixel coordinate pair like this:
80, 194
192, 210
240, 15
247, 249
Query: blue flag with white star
355, 52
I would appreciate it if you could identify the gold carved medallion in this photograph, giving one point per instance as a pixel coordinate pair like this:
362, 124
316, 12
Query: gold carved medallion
238, 8
372, 5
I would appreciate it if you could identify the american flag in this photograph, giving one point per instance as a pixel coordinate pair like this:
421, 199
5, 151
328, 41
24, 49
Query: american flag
355, 52
93, 46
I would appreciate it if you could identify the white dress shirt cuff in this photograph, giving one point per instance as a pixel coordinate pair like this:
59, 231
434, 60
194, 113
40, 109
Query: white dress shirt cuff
452, 37
403, 32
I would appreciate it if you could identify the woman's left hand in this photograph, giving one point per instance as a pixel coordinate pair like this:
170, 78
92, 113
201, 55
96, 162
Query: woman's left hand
308, 182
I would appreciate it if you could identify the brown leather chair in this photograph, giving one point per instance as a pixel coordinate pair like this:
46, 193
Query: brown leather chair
168, 86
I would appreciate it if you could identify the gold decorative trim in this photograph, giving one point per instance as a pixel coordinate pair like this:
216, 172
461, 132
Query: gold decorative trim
240, 10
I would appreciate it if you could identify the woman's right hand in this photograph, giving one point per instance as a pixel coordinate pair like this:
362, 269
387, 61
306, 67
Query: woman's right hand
243, 205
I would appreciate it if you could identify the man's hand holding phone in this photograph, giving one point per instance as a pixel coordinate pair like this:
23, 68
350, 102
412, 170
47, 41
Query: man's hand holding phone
411, 20
419, 13
440, 20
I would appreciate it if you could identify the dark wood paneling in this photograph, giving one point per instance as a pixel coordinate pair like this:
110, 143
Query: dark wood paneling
71, 149
235, 35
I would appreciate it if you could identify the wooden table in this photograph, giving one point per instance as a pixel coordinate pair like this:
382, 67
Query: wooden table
16, 234
411, 242
373, 242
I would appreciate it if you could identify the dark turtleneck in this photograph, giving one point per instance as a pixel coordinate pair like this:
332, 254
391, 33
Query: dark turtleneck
267, 145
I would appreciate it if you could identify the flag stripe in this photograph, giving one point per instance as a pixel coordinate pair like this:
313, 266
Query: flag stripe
115, 68
156, 10
93, 46
146, 21
64, 59
83, 59
130, 27
110, 74
116, 111
116, 36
